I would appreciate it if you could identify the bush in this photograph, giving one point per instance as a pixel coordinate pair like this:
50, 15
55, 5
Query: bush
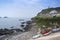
45, 21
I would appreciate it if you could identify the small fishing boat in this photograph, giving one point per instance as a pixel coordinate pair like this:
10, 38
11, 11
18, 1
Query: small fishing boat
56, 30
46, 31
36, 36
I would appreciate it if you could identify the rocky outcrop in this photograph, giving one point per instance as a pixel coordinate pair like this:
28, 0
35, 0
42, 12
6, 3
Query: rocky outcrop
26, 35
49, 12
46, 11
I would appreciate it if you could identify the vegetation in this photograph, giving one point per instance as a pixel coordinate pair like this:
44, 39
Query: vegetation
46, 21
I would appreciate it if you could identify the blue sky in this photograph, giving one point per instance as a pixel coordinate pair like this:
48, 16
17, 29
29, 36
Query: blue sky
25, 8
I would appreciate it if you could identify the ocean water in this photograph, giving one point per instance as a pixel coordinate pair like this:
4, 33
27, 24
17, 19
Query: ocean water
11, 22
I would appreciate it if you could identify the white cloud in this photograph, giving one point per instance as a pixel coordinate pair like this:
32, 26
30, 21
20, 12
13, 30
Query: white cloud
21, 8
17, 9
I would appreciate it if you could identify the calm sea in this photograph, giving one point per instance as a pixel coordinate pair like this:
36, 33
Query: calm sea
11, 22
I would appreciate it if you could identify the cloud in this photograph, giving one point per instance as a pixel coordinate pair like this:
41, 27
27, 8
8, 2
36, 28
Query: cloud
24, 8
20, 8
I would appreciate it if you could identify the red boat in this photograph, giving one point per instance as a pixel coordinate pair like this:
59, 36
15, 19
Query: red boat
46, 32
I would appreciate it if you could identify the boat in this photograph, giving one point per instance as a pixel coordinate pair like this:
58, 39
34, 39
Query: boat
56, 30
45, 32
36, 36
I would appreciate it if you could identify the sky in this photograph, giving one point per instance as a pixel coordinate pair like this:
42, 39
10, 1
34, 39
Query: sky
25, 8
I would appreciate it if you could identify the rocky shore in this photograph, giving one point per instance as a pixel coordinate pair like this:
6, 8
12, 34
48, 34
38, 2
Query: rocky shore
33, 31
26, 35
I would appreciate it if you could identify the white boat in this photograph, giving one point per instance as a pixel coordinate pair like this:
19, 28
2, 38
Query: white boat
36, 36
56, 30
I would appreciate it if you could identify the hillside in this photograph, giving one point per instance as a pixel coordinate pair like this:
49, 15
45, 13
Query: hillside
48, 18
46, 11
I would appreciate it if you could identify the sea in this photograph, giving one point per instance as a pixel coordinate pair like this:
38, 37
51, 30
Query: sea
12, 22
